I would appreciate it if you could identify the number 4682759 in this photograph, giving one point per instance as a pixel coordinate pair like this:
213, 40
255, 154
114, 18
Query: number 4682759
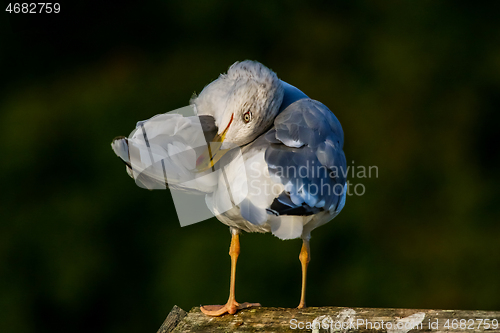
33, 8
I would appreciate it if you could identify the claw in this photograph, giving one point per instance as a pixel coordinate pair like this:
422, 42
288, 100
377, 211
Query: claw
230, 307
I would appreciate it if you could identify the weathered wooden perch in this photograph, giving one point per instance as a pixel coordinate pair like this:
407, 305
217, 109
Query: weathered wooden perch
333, 319
172, 320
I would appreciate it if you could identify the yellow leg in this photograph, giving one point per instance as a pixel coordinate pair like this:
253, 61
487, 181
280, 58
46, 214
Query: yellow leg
234, 252
231, 306
304, 257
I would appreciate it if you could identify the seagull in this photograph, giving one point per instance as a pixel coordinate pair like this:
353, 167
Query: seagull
279, 155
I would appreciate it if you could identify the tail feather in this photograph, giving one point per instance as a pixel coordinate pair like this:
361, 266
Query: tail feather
162, 152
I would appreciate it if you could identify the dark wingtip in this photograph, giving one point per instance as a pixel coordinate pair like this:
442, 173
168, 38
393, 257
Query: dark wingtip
119, 138
120, 149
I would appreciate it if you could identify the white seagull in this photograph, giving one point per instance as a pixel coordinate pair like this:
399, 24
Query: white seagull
290, 176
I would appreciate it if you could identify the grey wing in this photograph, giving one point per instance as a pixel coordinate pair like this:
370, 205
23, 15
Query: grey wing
305, 155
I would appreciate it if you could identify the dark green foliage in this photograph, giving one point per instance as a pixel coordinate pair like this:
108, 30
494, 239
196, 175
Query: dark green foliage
414, 83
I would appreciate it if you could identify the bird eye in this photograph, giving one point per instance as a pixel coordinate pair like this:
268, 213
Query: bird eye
247, 116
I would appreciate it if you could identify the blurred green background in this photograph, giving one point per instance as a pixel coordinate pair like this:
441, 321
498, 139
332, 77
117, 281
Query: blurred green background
415, 85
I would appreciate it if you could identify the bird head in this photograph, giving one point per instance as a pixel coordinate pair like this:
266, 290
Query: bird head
254, 96
244, 103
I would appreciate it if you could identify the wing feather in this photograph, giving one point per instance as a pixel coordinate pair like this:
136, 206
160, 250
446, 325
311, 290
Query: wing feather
162, 152
308, 160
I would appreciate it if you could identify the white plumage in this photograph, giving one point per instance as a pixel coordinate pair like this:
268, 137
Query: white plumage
275, 162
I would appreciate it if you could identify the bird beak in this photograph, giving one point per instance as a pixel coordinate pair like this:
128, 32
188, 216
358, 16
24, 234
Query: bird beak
213, 153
